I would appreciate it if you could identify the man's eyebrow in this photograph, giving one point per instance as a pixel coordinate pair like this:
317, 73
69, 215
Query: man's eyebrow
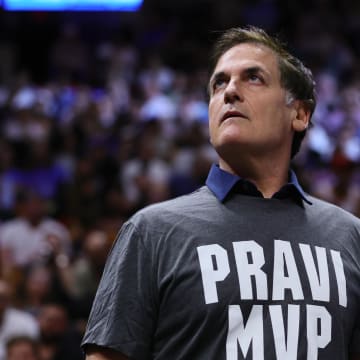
214, 77
249, 70
255, 70
218, 75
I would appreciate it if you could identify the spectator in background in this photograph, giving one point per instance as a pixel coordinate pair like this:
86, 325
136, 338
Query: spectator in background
34, 167
13, 322
145, 177
38, 286
84, 197
81, 278
58, 339
7, 186
69, 55
31, 236
22, 348
42, 284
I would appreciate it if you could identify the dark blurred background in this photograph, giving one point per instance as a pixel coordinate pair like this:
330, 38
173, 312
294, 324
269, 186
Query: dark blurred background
102, 113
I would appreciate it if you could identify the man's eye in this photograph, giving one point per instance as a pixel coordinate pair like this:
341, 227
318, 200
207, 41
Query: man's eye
255, 78
218, 83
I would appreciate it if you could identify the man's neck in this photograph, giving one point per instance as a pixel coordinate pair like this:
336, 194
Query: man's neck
268, 176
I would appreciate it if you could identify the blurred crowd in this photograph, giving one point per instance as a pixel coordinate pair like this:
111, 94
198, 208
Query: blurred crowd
78, 156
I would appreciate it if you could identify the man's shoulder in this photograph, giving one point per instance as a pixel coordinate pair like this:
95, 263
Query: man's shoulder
322, 208
194, 200
188, 205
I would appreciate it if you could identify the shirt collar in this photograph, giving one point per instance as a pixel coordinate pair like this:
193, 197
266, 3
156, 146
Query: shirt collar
220, 182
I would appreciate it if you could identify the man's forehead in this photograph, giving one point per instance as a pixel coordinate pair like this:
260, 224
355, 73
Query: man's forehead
248, 55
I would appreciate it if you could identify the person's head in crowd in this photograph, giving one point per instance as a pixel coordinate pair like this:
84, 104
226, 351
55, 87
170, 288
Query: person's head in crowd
41, 152
37, 287
294, 77
30, 205
96, 247
59, 337
6, 154
22, 348
5, 297
53, 321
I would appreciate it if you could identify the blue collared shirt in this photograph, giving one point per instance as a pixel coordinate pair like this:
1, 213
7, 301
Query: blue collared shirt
222, 183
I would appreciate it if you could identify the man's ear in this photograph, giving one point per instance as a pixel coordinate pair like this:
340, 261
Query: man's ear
301, 119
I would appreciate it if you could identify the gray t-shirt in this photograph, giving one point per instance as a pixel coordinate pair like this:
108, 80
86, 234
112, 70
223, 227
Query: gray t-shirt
250, 278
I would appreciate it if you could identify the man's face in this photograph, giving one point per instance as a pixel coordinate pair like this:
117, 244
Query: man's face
248, 110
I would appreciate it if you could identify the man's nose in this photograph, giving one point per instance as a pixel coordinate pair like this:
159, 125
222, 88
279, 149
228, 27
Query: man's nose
232, 92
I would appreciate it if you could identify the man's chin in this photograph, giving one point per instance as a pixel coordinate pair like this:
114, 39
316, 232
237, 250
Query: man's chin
231, 146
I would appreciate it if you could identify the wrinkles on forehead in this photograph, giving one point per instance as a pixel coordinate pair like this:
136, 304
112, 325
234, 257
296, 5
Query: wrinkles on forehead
258, 58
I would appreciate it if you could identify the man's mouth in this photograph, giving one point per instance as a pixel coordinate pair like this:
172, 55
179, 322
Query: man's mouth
232, 114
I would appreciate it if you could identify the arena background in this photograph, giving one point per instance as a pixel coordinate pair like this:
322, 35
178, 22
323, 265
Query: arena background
102, 113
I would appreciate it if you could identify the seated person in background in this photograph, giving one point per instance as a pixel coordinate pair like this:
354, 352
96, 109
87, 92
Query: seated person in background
13, 322
29, 237
59, 340
22, 348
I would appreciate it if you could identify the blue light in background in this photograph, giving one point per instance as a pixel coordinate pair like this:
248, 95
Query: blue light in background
72, 5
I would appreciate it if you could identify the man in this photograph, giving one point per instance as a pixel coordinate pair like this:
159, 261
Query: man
249, 266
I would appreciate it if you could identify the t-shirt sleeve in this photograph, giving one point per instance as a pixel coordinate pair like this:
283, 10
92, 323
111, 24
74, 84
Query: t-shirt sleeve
124, 310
